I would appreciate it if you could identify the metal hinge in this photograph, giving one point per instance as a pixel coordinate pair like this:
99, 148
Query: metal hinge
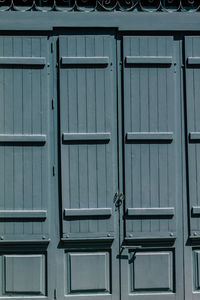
52, 47
53, 170
119, 198
52, 104
55, 294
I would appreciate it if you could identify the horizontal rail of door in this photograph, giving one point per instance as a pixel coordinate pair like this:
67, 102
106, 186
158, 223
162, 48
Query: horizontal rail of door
29, 61
87, 137
23, 214
194, 136
150, 136
86, 61
148, 60
23, 138
151, 212
90, 212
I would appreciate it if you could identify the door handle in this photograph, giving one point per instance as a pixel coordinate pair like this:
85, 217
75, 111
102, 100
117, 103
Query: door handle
131, 247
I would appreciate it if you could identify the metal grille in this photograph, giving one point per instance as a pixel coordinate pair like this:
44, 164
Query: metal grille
101, 5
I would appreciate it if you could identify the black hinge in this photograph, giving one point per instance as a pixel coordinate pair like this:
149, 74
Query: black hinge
52, 104
55, 296
53, 170
52, 48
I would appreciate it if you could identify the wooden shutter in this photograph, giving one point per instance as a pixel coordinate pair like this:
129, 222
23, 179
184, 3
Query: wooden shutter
150, 138
24, 150
192, 56
88, 135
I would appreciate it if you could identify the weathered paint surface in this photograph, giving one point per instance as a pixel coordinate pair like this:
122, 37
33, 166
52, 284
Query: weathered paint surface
99, 162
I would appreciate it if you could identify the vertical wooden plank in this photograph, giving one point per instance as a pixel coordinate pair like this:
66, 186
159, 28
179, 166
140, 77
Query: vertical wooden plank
192, 45
144, 126
100, 125
82, 127
153, 122
91, 113
18, 156
2, 129
27, 127
8, 98
37, 113
163, 100
73, 126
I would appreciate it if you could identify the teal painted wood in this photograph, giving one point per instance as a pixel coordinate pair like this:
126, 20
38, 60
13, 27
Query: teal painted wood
192, 51
23, 138
85, 256
153, 175
87, 137
149, 113
150, 136
24, 147
23, 61
150, 212
88, 133
141, 22
89, 61
90, 212
148, 60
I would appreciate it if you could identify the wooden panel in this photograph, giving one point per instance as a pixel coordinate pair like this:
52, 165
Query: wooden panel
30, 61
98, 137
196, 268
150, 137
98, 272
193, 61
194, 136
23, 214
24, 125
88, 134
160, 272
196, 210
24, 274
91, 212
149, 60
90, 61
192, 54
22, 138
151, 212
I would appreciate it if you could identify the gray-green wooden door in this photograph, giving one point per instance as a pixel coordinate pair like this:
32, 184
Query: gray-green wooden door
85, 116
89, 173
152, 168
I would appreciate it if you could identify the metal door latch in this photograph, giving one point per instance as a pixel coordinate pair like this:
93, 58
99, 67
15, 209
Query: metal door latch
131, 247
119, 198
